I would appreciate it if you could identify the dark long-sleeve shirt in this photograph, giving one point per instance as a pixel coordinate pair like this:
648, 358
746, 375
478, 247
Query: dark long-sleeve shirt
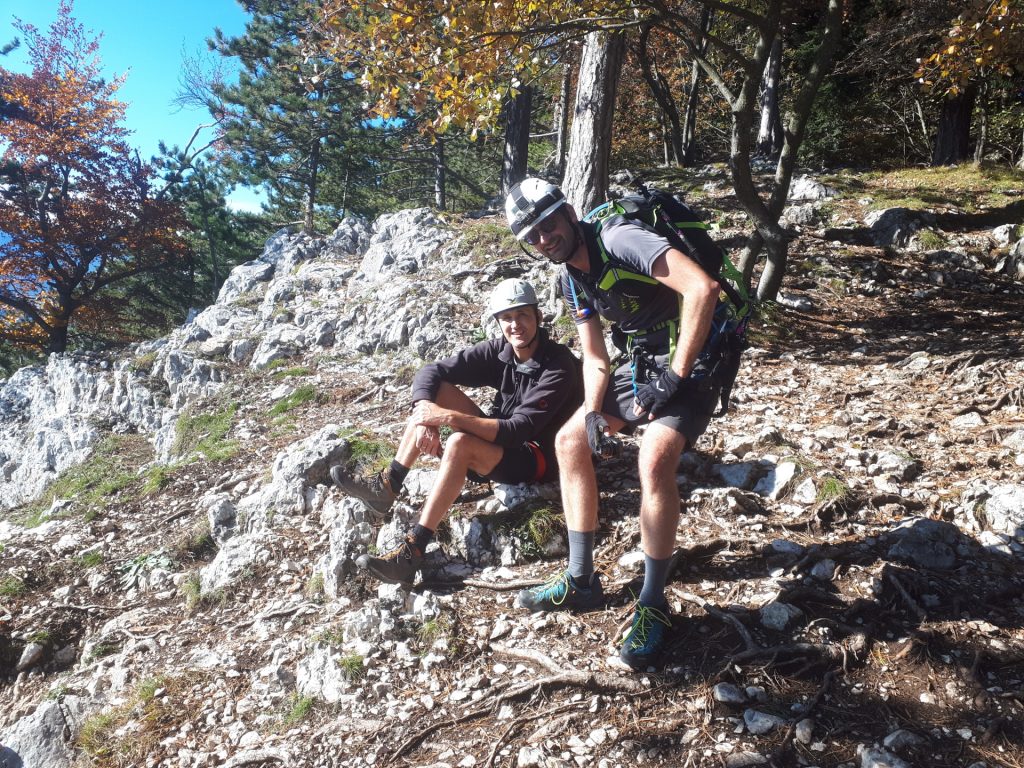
533, 399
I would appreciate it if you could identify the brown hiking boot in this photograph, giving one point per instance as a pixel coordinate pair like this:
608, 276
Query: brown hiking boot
399, 566
375, 491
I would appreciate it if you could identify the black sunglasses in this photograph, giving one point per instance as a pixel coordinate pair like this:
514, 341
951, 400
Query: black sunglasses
545, 226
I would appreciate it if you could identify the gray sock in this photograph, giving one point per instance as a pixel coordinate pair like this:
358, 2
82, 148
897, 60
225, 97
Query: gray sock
655, 575
581, 556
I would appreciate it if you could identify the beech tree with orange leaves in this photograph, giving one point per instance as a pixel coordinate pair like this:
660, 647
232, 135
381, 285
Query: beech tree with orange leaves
78, 212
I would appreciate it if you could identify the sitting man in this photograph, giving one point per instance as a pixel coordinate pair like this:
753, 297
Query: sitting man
538, 386
662, 302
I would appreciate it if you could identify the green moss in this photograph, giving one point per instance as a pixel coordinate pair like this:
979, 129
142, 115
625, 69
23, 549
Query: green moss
931, 240
206, 433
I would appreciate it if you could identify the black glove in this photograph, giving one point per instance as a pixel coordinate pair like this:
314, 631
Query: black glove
602, 444
653, 396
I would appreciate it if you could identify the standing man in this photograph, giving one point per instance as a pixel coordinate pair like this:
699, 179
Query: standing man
661, 304
537, 383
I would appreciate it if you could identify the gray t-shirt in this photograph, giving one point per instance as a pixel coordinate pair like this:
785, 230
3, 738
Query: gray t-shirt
622, 290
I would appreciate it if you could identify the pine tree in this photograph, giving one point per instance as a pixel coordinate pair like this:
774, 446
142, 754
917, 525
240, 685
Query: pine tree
293, 118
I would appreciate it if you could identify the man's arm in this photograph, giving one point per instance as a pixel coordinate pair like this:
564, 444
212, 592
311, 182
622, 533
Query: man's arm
596, 363
431, 414
699, 292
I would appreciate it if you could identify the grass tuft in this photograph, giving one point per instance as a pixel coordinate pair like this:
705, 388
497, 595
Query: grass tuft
109, 470
206, 433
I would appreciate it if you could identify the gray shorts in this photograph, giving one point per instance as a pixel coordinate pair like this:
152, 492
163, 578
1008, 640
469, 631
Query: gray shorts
688, 413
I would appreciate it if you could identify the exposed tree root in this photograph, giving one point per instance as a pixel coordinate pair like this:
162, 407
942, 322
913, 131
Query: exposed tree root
562, 678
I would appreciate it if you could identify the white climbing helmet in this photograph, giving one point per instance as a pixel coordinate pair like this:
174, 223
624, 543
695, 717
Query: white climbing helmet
530, 201
510, 294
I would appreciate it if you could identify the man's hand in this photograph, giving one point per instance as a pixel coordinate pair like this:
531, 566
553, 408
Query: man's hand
599, 437
653, 396
428, 441
428, 414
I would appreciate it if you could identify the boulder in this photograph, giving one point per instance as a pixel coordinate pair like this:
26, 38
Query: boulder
925, 543
895, 226
43, 739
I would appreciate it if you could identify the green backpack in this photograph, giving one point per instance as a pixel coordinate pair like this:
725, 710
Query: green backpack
719, 361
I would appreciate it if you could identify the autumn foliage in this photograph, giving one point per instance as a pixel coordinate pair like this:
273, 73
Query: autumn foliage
457, 62
78, 214
988, 36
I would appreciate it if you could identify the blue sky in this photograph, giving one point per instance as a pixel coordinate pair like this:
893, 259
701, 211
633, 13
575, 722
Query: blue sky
145, 40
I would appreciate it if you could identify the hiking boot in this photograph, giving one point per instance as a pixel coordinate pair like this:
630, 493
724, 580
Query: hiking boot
562, 593
375, 492
399, 566
647, 638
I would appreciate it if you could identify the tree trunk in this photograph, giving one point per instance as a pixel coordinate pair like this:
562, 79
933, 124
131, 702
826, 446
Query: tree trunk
662, 92
517, 139
769, 234
979, 145
769, 136
561, 126
311, 187
57, 334
693, 97
954, 136
440, 200
586, 174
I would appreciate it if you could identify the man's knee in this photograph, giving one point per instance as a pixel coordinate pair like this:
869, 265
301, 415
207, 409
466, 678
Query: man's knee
659, 458
571, 439
460, 445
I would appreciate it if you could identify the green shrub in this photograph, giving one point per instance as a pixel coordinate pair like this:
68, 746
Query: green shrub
368, 454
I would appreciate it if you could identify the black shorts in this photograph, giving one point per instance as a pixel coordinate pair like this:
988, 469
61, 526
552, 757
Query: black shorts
688, 413
523, 463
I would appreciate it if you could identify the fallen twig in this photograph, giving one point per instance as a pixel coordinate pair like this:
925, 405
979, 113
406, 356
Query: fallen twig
787, 738
494, 586
525, 719
593, 681
911, 603
748, 639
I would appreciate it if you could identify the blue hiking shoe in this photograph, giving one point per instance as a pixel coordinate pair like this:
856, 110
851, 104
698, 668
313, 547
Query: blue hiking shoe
562, 593
647, 638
